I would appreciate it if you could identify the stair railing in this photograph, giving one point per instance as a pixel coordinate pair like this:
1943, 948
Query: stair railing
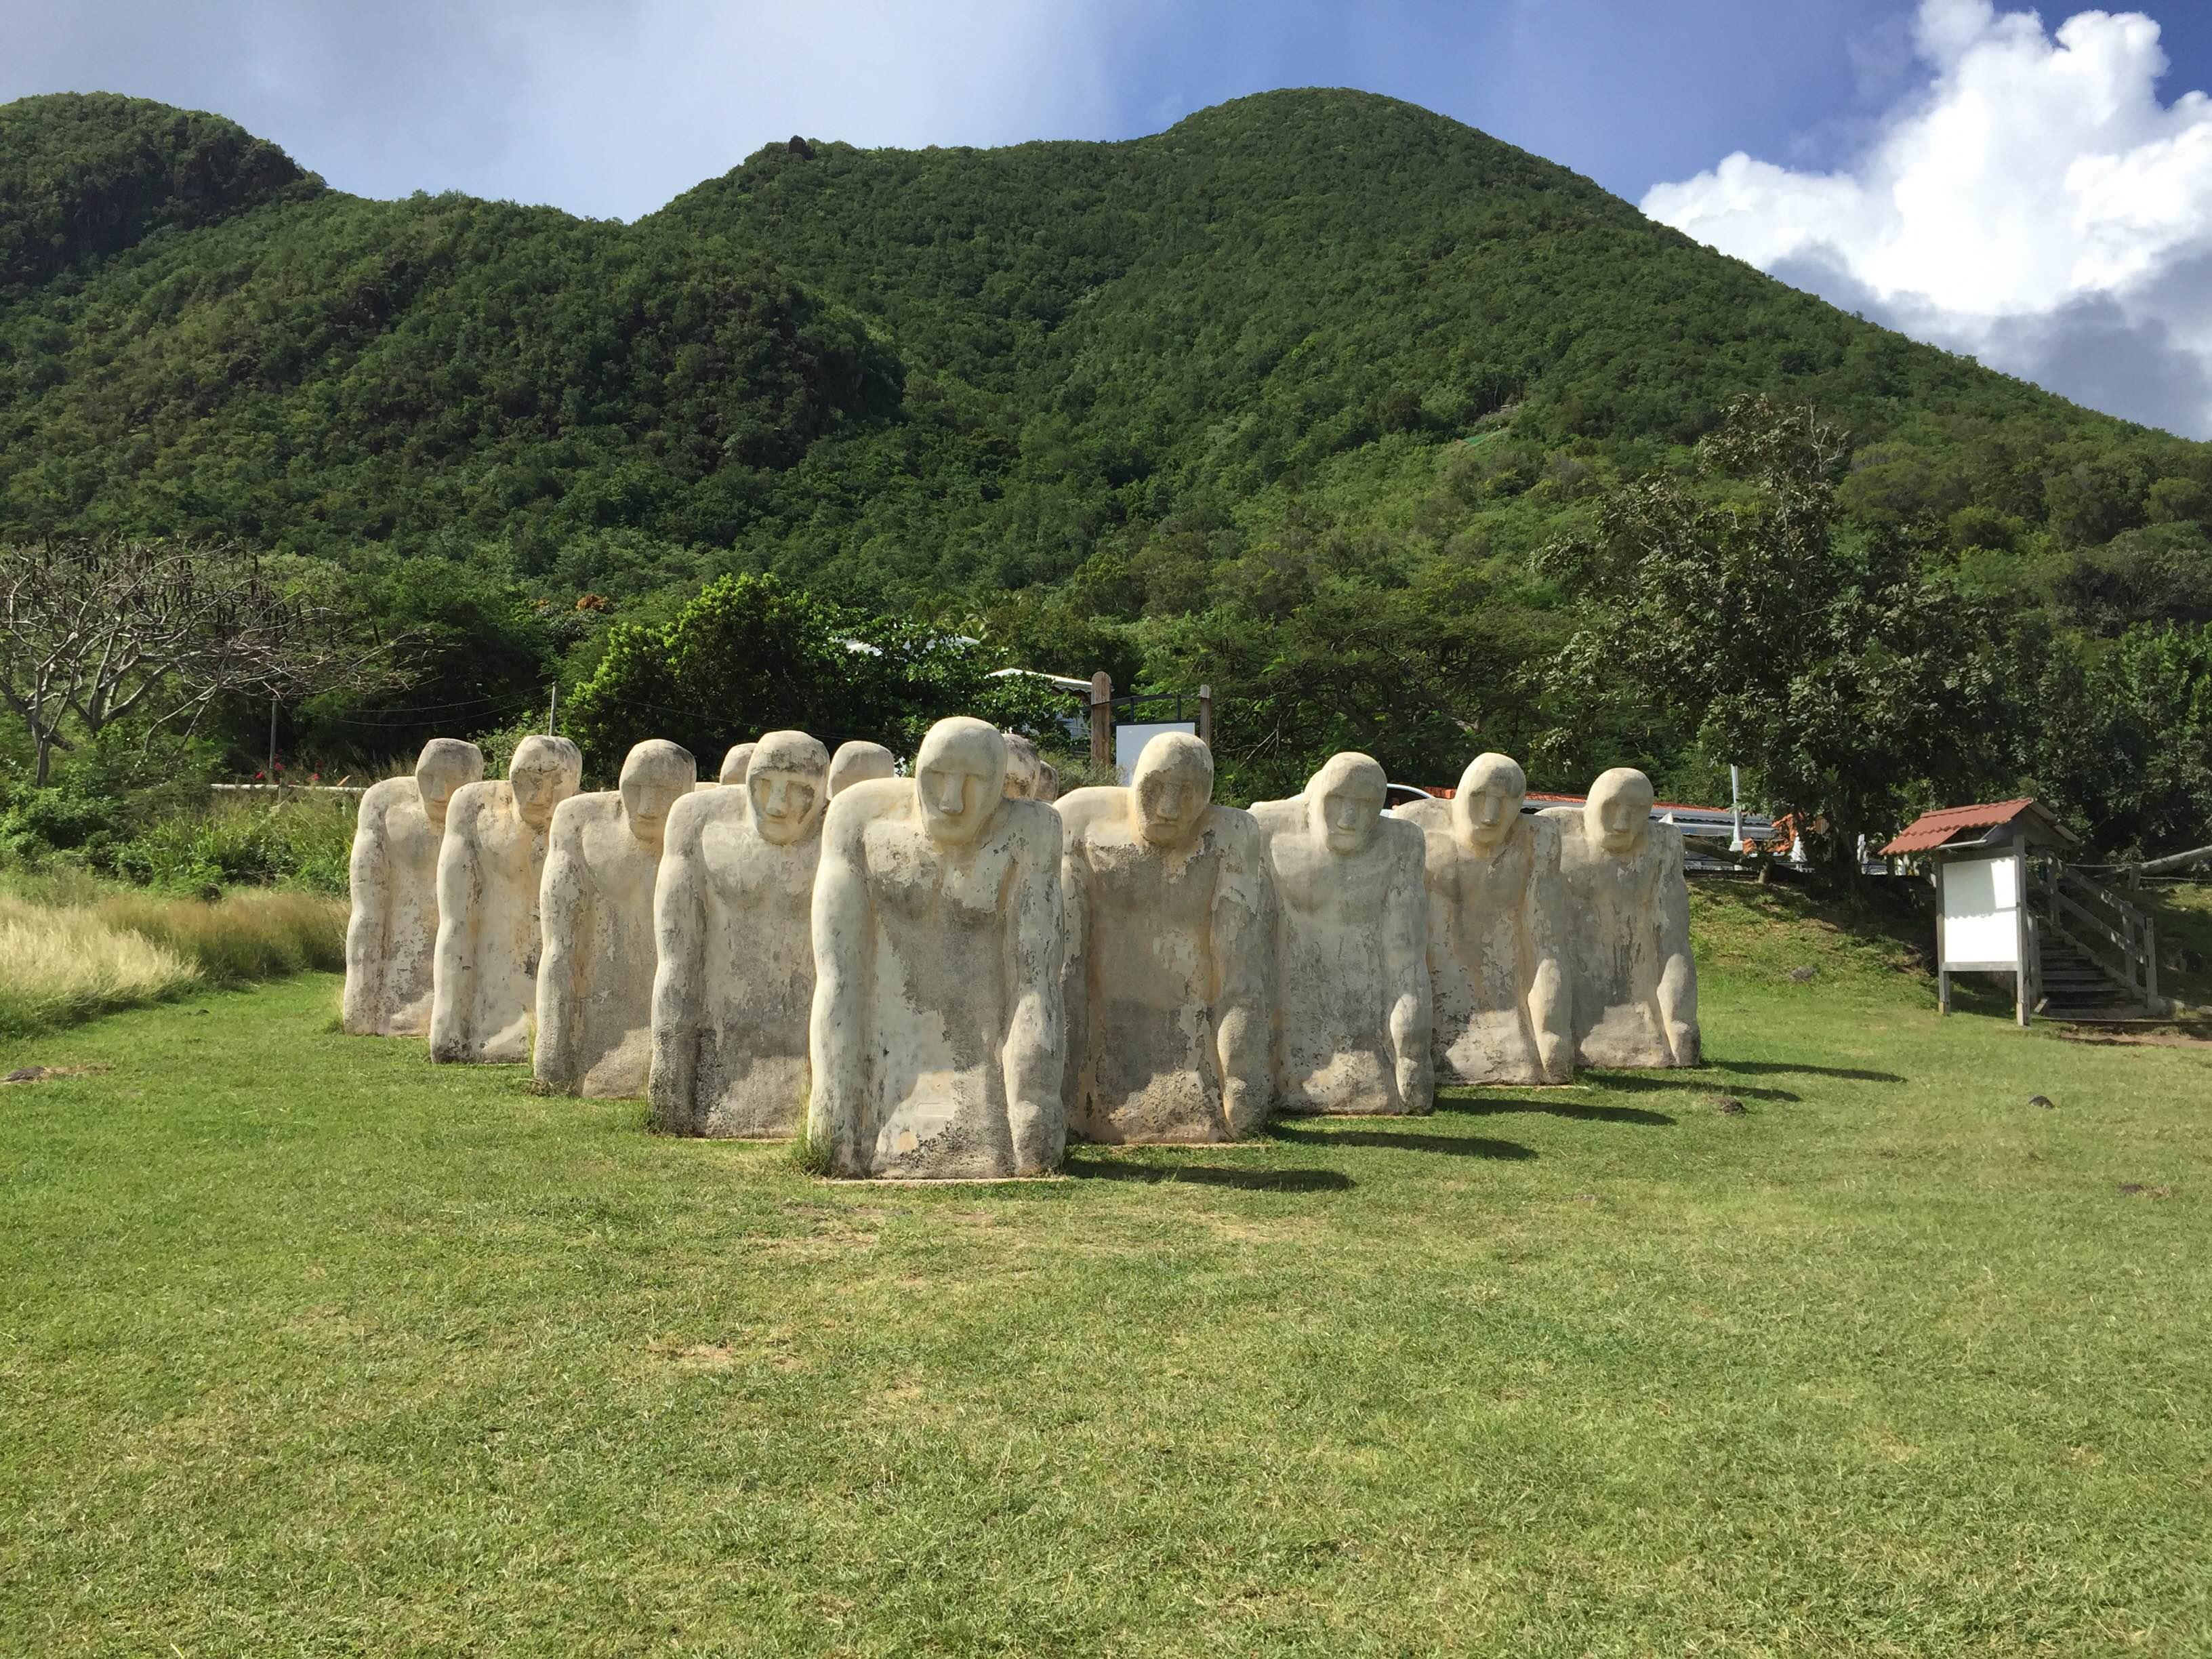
2120, 938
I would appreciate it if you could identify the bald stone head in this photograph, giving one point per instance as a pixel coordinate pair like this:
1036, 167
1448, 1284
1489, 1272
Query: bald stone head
1344, 801
1171, 789
1617, 815
543, 772
1492, 792
959, 777
739, 758
1029, 775
656, 774
444, 765
788, 786
856, 763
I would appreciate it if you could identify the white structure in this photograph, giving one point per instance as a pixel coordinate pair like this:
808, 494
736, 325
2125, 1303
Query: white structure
392, 937
595, 905
1352, 1025
735, 985
1166, 980
485, 996
936, 1040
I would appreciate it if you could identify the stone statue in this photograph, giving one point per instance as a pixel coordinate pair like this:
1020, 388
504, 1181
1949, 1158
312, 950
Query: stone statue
1430, 813
391, 938
1503, 1004
1029, 775
1352, 979
856, 763
486, 989
1628, 929
735, 985
936, 1033
739, 758
1165, 979
595, 902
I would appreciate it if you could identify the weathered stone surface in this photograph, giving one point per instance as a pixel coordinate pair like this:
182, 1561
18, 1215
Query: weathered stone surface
595, 906
1504, 1004
1165, 981
1351, 934
735, 985
856, 763
1429, 813
392, 937
1029, 775
1628, 929
485, 996
735, 762
936, 1033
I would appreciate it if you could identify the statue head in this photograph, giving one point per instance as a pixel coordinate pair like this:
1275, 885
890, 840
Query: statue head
1030, 776
1492, 792
735, 764
788, 786
544, 771
1344, 801
1171, 789
444, 765
1618, 814
959, 778
656, 774
856, 763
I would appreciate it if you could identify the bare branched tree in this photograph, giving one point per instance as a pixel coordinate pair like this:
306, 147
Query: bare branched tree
94, 631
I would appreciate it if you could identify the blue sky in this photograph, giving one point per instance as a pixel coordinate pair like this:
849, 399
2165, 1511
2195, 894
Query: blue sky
610, 107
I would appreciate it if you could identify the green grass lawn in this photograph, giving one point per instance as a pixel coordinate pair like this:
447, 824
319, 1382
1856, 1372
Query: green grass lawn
306, 1348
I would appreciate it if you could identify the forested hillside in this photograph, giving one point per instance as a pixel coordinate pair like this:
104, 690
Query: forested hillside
1288, 399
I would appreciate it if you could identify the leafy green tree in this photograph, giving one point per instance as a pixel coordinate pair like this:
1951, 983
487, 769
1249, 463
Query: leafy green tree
1855, 682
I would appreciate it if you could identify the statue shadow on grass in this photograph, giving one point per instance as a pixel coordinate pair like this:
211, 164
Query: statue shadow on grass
1401, 1141
1762, 1068
1653, 1082
1212, 1175
1485, 1105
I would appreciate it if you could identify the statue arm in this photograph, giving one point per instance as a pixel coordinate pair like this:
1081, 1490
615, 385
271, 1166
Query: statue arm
1036, 1049
1074, 975
564, 908
1406, 975
368, 881
679, 929
1243, 952
1678, 971
453, 997
1551, 992
837, 1029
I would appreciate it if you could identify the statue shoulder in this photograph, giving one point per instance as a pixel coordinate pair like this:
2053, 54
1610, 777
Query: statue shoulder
871, 800
1276, 818
1234, 829
381, 798
1034, 826
1082, 810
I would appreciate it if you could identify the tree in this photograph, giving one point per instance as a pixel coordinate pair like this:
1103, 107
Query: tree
93, 632
1852, 678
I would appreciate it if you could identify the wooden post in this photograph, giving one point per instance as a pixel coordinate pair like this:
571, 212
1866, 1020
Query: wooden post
1102, 720
2023, 937
1205, 715
552, 709
272, 744
1943, 974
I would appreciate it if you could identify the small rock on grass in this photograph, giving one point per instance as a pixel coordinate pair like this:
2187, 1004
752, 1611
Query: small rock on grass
1729, 1106
2043, 1101
25, 1074
2141, 1189
1803, 976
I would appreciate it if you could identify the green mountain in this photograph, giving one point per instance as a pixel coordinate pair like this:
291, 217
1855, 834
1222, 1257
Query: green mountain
1305, 378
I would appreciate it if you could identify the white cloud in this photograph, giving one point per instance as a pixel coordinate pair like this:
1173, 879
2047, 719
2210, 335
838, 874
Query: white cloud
2034, 202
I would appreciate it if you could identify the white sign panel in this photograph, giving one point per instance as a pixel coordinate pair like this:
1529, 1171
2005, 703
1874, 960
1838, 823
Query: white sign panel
1981, 912
1129, 742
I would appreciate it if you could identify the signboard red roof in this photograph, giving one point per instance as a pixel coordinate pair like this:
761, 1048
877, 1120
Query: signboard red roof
1952, 824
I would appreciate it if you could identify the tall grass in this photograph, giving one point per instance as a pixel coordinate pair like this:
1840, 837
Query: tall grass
70, 961
58, 964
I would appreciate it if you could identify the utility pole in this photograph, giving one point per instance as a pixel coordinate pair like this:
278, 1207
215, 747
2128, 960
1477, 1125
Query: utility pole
1205, 715
272, 739
1736, 807
552, 707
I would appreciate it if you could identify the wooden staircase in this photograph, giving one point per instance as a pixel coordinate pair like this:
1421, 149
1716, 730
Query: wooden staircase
2096, 955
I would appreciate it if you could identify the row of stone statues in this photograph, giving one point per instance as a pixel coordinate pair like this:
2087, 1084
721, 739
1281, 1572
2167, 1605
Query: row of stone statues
940, 977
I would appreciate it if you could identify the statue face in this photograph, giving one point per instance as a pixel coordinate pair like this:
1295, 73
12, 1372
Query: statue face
1619, 811
1492, 792
649, 789
543, 775
784, 803
959, 778
1172, 787
446, 764
1347, 795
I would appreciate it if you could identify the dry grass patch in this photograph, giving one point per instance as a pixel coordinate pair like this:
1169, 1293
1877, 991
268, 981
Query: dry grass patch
61, 964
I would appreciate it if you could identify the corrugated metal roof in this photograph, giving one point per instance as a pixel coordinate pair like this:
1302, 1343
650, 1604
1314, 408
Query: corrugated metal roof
1949, 823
